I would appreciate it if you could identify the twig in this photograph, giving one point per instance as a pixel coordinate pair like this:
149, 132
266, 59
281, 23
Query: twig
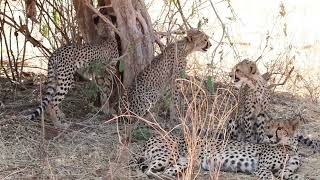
223, 32
265, 47
25, 31
283, 82
185, 22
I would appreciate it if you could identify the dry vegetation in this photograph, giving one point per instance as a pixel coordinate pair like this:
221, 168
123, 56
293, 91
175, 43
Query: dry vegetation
92, 148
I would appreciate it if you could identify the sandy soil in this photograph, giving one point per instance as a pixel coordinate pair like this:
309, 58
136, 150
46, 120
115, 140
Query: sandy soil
90, 149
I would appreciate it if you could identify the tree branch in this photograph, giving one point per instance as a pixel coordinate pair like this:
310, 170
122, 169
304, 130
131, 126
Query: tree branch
283, 82
185, 22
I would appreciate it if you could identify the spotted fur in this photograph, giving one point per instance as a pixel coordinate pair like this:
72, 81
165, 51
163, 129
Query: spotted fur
66, 60
290, 125
166, 156
247, 123
154, 80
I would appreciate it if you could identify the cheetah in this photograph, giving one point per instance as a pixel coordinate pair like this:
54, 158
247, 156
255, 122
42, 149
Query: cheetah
274, 125
66, 60
153, 81
254, 98
168, 157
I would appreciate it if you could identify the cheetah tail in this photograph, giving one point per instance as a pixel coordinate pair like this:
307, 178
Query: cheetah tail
46, 99
314, 144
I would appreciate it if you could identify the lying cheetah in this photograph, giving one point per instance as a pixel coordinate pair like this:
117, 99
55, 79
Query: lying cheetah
168, 157
286, 124
254, 99
154, 80
66, 60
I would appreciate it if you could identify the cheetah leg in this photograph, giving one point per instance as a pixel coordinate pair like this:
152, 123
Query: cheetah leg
105, 105
233, 129
56, 115
261, 137
291, 167
176, 169
157, 166
248, 128
174, 104
105, 83
264, 174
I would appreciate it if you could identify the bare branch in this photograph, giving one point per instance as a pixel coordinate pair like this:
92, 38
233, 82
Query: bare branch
185, 22
223, 32
284, 81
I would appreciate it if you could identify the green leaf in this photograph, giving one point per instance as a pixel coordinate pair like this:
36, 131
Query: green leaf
121, 66
92, 92
131, 47
141, 133
210, 84
56, 18
44, 30
199, 24
97, 67
183, 74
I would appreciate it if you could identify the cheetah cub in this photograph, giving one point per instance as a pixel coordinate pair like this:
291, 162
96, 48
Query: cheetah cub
162, 72
66, 60
248, 121
168, 157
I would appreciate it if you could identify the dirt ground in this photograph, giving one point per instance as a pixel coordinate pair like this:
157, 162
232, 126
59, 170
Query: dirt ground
91, 148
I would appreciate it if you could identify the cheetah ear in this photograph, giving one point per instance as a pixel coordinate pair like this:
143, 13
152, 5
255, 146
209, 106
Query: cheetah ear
253, 68
189, 38
295, 123
190, 34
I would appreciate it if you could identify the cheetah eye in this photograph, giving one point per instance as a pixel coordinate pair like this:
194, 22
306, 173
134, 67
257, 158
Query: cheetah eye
237, 70
277, 131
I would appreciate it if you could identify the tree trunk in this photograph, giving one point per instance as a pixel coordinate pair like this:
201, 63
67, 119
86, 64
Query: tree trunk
85, 22
135, 30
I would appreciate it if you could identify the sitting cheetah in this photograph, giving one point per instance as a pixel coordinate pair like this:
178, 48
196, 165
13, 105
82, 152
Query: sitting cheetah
168, 156
254, 99
66, 60
164, 69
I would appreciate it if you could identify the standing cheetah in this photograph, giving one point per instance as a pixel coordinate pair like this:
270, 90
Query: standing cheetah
162, 72
66, 60
254, 99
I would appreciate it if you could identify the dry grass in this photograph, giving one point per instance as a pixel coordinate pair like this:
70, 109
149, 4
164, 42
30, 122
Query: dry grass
92, 149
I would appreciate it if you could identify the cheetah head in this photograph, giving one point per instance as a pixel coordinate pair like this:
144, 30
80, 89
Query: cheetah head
282, 131
102, 28
198, 40
244, 72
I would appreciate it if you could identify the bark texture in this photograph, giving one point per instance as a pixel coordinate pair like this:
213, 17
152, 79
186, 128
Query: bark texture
136, 37
135, 27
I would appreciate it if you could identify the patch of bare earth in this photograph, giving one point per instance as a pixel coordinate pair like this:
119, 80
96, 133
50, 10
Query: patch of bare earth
90, 149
